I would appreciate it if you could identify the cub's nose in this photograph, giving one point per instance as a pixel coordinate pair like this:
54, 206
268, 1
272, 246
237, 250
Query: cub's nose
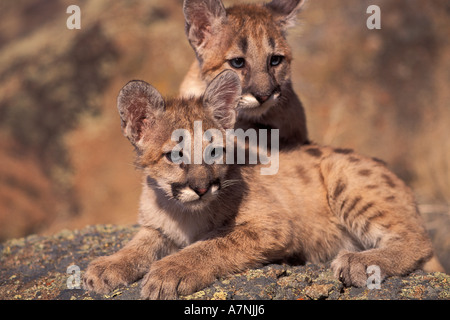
262, 99
201, 191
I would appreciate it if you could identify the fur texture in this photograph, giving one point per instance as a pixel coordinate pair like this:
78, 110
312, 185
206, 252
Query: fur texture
202, 221
251, 40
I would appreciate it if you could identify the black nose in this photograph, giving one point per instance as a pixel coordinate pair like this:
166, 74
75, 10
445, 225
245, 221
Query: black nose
263, 96
262, 99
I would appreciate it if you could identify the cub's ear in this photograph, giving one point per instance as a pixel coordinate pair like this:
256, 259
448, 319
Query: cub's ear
202, 17
222, 97
286, 11
139, 105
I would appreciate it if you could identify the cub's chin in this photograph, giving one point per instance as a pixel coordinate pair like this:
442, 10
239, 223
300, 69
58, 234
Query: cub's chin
250, 108
190, 200
196, 205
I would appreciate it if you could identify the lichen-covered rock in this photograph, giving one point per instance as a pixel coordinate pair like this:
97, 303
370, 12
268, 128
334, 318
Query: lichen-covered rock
38, 267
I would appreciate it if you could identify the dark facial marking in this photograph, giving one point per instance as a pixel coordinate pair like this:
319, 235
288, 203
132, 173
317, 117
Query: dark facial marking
176, 188
243, 45
151, 182
272, 43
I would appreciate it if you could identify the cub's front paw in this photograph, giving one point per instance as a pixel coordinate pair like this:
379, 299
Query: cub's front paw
104, 274
167, 279
351, 268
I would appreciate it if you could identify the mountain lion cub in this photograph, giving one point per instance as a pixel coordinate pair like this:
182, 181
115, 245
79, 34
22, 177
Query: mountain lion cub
250, 39
203, 221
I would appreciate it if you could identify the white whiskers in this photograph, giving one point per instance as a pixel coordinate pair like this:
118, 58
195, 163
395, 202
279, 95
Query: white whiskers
228, 183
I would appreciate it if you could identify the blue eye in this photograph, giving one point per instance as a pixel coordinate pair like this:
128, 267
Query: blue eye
276, 60
169, 157
237, 63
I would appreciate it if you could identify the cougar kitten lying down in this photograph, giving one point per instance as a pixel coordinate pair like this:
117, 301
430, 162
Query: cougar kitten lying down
202, 221
251, 40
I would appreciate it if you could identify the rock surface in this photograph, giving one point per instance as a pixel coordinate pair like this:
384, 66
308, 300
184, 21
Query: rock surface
38, 267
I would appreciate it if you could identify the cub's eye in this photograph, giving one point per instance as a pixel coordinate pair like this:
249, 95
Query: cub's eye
213, 154
174, 156
237, 63
217, 153
276, 60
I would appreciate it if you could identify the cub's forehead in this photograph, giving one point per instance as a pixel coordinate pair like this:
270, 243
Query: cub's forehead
254, 26
183, 113
250, 18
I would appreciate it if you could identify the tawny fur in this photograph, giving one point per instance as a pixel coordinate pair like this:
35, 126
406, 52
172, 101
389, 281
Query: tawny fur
324, 203
255, 33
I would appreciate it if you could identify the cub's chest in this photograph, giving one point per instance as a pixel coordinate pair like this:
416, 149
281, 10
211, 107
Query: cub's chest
183, 227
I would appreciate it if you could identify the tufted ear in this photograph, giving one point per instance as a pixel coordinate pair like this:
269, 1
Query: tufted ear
202, 18
286, 11
139, 105
222, 97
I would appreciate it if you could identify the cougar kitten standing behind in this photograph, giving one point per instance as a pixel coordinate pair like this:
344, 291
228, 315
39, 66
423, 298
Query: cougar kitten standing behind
202, 221
251, 40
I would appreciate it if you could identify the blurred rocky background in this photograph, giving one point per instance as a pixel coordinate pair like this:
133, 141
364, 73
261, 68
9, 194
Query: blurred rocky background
65, 164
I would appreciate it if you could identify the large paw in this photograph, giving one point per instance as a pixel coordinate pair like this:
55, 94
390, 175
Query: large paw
104, 274
351, 268
167, 279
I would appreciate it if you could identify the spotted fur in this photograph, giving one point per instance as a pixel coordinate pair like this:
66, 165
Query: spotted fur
202, 221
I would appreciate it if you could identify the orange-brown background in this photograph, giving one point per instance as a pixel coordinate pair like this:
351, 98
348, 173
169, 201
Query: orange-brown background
65, 164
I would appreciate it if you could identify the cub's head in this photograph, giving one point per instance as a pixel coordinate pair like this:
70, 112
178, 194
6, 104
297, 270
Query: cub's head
251, 40
181, 162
